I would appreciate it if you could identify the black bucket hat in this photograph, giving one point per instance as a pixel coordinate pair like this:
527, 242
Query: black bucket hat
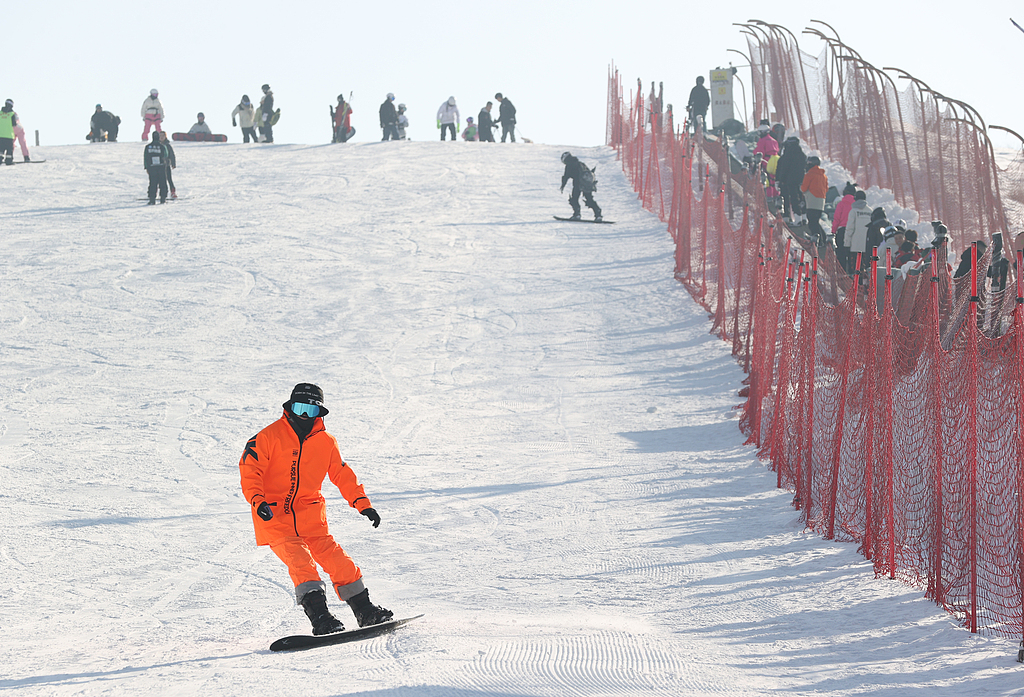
307, 393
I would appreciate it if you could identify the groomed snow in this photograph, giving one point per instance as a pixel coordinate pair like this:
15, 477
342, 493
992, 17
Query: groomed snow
536, 409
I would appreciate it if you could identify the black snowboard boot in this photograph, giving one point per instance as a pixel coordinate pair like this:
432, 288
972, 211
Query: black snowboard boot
315, 605
366, 612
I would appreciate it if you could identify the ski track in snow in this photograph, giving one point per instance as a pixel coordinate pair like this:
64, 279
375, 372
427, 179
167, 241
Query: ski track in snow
536, 409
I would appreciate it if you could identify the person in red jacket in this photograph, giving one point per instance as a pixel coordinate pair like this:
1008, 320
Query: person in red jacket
282, 470
815, 188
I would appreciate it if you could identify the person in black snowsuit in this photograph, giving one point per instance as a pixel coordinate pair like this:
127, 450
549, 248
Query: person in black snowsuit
789, 173
155, 163
389, 118
103, 122
581, 184
485, 126
506, 117
266, 114
698, 103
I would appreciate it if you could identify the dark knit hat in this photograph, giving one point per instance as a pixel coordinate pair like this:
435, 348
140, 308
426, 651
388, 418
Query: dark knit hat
308, 393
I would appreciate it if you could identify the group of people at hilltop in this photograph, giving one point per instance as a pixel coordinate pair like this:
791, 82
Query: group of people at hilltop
105, 125
393, 122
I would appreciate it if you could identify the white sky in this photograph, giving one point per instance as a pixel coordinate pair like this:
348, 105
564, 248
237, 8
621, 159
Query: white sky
550, 58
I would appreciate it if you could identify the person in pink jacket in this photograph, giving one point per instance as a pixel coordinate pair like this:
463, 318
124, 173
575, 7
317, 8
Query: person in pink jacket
767, 146
839, 221
19, 134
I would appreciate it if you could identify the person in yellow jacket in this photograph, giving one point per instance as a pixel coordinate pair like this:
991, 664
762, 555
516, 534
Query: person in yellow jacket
282, 470
8, 120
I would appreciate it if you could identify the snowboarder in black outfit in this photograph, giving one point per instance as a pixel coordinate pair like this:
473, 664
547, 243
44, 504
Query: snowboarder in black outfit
507, 117
583, 182
155, 163
389, 118
485, 126
103, 122
698, 104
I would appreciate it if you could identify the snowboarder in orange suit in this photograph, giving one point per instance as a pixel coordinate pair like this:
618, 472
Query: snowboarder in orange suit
282, 470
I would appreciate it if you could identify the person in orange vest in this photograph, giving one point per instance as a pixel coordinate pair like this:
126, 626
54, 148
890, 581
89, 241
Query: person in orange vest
815, 188
282, 470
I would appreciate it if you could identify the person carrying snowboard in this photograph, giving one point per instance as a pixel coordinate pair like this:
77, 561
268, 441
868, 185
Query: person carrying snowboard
266, 114
389, 118
155, 162
103, 122
172, 162
246, 118
152, 113
342, 116
282, 470
583, 182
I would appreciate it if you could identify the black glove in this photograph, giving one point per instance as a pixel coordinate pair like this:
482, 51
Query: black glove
372, 515
233, 123
562, 189
264, 512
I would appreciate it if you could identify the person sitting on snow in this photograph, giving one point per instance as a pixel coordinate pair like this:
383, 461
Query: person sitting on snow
200, 125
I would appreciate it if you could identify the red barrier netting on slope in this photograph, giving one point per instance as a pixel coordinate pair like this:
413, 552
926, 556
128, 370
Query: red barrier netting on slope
891, 408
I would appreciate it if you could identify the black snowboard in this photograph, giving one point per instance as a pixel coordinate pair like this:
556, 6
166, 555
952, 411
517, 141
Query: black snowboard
302, 642
581, 220
30, 162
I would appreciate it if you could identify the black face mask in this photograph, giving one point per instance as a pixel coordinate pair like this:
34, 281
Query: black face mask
302, 427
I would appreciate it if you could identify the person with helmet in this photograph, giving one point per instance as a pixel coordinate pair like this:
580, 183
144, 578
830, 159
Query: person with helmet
583, 182
282, 471
246, 118
506, 117
485, 125
155, 163
697, 106
470, 133
389, 118
8, 120
266, 114
200, 126
448, 118
152, 113
342, 117
403, 122
815, 187
103, 123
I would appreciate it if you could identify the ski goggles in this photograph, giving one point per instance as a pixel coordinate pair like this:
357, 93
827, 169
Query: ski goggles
301, 409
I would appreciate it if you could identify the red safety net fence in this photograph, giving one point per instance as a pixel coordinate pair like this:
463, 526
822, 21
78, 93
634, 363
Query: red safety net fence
892, 408
930, 150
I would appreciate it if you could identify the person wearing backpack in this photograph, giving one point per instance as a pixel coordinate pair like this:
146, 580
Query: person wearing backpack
583, 182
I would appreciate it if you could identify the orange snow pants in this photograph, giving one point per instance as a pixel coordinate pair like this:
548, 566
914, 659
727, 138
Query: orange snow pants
302, 554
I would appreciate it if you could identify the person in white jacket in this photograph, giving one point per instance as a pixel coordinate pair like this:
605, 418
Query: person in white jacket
152, 113
246, 118
448, 118
856, 237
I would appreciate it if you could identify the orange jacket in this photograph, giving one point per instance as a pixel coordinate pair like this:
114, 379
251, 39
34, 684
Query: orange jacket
287, 474
815, 182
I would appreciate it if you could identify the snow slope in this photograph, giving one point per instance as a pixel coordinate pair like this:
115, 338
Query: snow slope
536, 409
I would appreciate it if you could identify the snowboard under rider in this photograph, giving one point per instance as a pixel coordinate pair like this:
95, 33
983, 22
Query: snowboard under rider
282, 471
581, 184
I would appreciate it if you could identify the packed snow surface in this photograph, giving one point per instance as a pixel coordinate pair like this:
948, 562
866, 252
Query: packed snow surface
536, 408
